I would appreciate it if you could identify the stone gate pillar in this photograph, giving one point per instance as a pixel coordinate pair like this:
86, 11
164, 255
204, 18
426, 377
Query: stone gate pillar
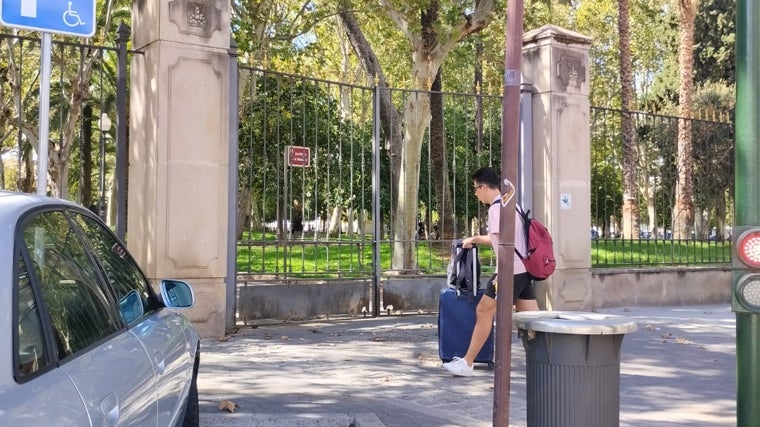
556, 62
178, 148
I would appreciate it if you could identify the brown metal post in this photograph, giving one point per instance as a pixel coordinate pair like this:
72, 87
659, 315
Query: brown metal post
122, 163
510, 139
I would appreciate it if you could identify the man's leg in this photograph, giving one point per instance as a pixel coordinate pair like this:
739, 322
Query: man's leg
484, 314
524, 293
527, 305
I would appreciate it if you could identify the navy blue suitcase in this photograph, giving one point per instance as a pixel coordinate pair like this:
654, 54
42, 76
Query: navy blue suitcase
456, 319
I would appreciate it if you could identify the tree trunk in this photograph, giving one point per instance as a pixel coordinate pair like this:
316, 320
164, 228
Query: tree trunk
438, 158
417, 118
244, 209
390, 120
85, 154
440, 164
683, 210
428, 53
482, 218
478, 84
630, 215
416, 121
27, 184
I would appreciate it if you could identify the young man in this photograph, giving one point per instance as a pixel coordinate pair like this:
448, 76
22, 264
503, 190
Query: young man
485, 184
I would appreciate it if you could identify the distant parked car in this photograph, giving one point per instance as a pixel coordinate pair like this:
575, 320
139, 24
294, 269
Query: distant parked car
86, 340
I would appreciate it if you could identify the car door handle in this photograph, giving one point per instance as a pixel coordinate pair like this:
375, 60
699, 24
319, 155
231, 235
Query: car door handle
160, 362
110, 407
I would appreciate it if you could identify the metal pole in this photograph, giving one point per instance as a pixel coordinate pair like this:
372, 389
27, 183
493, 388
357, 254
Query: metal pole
376, 226
102, 196
42, 152
232, 201
525, 166
747, 198
510, 140
121, 131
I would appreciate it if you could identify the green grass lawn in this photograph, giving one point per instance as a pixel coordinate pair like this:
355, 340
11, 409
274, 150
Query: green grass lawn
352, 257
606, 253
336, 258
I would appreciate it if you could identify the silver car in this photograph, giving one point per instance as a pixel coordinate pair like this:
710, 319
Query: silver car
85, 339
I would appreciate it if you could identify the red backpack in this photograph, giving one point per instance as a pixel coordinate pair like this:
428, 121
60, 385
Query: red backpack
539, 259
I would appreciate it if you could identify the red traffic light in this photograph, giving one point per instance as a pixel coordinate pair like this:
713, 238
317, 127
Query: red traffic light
748, 248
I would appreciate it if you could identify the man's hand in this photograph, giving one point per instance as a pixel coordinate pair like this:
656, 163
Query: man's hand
468, 242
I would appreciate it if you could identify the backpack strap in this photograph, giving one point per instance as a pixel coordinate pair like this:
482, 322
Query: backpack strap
526, 224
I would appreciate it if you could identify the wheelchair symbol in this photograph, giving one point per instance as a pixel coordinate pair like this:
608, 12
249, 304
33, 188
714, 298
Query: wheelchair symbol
71, 18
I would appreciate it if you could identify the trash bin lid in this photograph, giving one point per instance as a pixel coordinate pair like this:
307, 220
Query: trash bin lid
573, 322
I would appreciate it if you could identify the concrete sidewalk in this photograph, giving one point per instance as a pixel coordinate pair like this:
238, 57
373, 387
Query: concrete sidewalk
677, 369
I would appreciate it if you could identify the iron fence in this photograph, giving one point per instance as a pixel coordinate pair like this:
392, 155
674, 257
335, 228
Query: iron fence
87, 120
306, 159
656, 172
307, 205
306, 193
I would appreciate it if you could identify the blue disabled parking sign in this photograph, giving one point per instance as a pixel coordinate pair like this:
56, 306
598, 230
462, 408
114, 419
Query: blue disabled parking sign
71, 17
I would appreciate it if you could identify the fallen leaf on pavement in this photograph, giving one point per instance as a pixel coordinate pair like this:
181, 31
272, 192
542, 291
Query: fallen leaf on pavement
227, 405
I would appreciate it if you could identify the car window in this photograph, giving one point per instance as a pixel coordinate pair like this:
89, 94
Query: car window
131, 287
77, 303
30, 341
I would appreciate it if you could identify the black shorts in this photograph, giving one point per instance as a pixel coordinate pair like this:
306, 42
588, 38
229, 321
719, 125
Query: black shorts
523, 288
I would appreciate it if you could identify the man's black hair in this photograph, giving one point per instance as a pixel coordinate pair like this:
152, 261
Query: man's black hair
486, 176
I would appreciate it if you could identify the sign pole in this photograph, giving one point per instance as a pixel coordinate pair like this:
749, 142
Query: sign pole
510, 139
42, 151
747, 210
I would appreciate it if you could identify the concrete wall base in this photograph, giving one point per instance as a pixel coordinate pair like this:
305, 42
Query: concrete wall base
604, 289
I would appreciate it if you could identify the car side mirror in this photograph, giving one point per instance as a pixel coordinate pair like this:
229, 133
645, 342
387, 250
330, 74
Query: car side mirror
131, 306
177, 294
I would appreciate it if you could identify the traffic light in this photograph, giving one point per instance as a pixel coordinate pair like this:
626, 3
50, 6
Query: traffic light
745, 291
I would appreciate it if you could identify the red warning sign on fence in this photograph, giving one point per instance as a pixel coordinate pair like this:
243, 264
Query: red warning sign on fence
298, 156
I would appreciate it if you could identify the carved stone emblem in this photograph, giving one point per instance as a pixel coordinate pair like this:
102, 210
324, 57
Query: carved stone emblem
196, 17
570, 71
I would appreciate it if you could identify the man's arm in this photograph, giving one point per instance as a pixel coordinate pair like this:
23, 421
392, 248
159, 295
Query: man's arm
484, 239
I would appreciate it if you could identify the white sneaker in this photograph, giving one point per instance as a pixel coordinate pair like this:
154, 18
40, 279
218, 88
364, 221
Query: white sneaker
459, 367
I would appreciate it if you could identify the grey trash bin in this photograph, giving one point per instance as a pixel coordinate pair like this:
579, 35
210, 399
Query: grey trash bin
572, 367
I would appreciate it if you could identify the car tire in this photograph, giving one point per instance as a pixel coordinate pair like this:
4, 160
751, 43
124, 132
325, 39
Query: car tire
192, 409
